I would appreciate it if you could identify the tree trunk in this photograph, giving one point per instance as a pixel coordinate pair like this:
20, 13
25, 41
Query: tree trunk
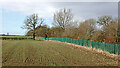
33, 31
34, 36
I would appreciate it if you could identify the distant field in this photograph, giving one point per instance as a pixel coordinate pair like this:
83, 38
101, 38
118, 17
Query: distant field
46, 53
17, 36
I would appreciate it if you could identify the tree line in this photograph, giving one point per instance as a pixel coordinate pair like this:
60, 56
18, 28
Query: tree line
102, 29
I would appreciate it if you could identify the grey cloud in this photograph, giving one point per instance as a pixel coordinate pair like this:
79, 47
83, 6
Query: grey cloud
89, 9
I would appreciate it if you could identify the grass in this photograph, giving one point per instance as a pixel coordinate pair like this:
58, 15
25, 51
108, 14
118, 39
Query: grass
46, 53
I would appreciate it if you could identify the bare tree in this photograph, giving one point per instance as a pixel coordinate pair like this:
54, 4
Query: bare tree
110, 28
31, 22
98, 36
62, 18
71, 29
86, 29
111, 32
104, 20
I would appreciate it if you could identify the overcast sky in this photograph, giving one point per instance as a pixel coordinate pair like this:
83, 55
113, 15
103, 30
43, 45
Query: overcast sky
14, 12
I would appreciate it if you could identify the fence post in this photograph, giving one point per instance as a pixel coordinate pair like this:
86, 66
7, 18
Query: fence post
114, 50
98, 45
82, 42
65, 39
87, 43
62, 39
105, 46
71, 40
79, 41
92, 44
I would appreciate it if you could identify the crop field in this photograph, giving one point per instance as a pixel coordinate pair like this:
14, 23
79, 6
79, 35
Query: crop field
16, 36
46, 53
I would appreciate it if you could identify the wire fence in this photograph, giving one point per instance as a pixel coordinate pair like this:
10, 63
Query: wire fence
111, 48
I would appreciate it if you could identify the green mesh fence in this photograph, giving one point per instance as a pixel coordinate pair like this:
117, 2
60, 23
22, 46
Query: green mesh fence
111, 48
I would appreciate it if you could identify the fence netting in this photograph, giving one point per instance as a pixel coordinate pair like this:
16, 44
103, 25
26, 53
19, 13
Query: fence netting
111, 48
